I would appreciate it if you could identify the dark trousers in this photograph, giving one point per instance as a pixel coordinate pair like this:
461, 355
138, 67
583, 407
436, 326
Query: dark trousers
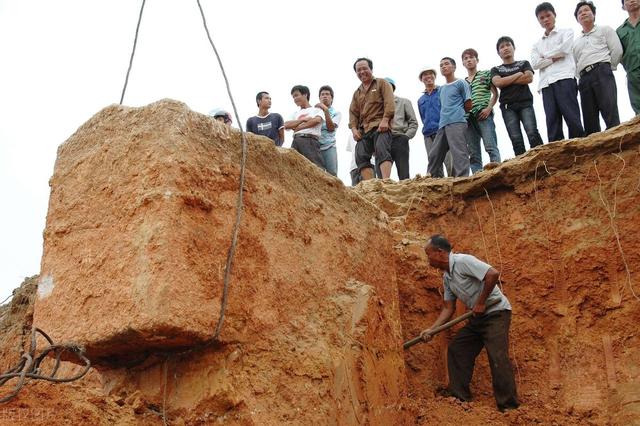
399, 155
356, 177
309, 146
633, 84
513, 115
373, 142
492, 332
560, 101
599, 95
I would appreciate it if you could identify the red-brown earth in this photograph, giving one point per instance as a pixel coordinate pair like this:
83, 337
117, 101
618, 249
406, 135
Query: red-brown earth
302, 342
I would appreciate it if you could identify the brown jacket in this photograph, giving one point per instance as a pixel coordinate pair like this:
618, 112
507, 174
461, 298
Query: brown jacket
369, 107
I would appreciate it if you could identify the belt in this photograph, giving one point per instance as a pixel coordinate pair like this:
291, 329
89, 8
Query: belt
307, 135
591, 67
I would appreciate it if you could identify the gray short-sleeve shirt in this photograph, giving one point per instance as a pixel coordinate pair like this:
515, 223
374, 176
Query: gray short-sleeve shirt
464, 282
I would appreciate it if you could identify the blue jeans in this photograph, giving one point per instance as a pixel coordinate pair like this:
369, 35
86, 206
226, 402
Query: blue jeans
513, 116
330, 160
485, 130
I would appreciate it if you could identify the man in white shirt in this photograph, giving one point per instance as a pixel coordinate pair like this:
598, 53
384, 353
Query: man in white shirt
553, 56
597, 51
306, 124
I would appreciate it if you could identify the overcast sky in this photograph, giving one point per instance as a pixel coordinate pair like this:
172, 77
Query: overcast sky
63, 61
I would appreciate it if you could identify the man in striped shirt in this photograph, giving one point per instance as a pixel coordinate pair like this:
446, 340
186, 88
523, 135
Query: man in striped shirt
480, 124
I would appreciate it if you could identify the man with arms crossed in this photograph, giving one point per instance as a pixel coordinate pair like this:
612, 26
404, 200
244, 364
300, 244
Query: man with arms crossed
597, 51
473, 282
370, 116
516, 101
455, 101
629, 35
306, 124
480, 119
553, 56
265, 123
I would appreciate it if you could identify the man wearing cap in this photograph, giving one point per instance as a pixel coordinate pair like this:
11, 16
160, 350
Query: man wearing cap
597, 51
306, 124
370, 115
455, 102
553, 56
266, 123
429, 109
473, 282
403, 128
629, 35
222, 116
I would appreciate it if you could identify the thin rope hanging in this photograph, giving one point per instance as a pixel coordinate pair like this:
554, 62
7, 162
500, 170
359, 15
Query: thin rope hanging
239, 204
133, 52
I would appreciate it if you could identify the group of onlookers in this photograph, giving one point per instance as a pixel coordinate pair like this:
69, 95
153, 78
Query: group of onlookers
459, 114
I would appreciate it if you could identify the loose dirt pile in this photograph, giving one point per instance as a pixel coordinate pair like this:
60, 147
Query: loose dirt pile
327, 283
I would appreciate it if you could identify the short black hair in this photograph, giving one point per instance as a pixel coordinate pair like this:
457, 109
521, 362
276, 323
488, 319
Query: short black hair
586, 3
327, 88
304, 90
546, 7
259, 97
440, 242
504, 39
453, 61
369, 61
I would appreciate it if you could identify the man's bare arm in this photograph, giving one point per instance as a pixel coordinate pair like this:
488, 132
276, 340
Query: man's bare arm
292, 124
525, 78
309, 123
445, 314
490, 280
502, 82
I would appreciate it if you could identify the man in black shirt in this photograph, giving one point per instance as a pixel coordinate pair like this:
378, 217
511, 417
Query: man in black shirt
265, 123
516, 101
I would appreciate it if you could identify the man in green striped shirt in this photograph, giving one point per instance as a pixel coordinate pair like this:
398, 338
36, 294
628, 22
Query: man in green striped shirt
629, 35
480, 119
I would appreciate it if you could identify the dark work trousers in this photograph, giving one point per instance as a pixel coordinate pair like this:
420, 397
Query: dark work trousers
356, 177
492, 332
599, 95
373, 142
399, 155
560, 101
309, 146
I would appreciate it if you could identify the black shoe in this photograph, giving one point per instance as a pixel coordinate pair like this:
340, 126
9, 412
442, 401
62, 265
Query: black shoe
506, 408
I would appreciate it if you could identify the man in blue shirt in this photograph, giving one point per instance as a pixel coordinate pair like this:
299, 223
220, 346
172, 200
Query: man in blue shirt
331, 122
429, 109
473, 282
455, 102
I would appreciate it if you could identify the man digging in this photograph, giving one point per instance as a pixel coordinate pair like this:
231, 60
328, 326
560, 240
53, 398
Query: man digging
474, 283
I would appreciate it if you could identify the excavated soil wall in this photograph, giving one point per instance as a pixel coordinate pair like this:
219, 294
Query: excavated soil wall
560, 223
305, 342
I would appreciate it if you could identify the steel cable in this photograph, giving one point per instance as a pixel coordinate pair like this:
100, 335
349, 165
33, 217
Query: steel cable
239, 204
133, 52
29, 366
